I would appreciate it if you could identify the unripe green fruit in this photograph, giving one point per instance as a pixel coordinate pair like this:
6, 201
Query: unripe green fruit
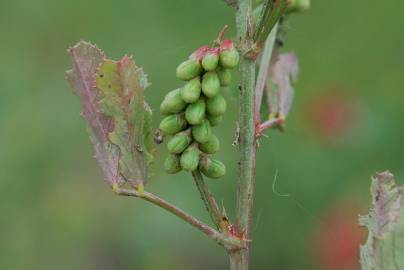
201, 132
298, 5
212, 168
178, 143
172, 103
188, 69
214, 120
172, 164
229, 58
173, 124
216, 106
210, 84
190, 158
195, 112
191, 90
224, 76
211, 146
210, 61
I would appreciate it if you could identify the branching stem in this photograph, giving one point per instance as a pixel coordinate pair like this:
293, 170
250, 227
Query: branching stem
229, 242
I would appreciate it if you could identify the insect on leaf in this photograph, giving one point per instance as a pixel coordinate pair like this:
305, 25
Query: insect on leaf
384, 248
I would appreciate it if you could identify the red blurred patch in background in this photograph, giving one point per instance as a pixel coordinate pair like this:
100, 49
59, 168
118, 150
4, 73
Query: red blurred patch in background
332, 113
337, 238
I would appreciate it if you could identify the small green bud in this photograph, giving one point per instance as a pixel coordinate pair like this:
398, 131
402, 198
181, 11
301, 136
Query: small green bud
224, 76
173, 124
298, 5
214, 120
229, 58
210, 84
216, 106
195, 112
201, 132
191, 90
211, 146
210, 60
172, 164
188, 69
178, 143
172, 103
212, 168
190, 158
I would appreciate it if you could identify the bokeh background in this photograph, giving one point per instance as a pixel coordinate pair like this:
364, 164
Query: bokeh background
347, 123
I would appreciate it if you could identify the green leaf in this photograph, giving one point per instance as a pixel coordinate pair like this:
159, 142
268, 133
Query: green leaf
384, 248
122, 86
119, 120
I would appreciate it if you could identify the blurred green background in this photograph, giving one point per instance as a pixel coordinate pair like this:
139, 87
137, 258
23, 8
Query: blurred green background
57, 212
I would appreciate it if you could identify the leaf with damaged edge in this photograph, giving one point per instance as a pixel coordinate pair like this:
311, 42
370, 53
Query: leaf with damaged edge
119, 120
280, 85
385, 223
122, 86
86, 58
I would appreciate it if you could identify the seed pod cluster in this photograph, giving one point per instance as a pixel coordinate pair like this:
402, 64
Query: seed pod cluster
191, 111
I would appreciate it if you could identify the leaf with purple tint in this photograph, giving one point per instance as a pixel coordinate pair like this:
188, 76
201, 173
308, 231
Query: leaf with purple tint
118, 118
86, 58
384, 248
122, 86
280, 85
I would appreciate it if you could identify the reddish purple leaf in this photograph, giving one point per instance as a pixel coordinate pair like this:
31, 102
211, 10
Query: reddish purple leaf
86, 59
280, 86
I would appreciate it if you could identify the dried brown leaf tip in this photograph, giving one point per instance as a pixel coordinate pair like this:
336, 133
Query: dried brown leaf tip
119, 120
385, 223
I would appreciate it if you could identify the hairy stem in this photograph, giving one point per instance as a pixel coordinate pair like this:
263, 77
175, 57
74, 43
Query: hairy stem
208, 199
224, 240
240, 260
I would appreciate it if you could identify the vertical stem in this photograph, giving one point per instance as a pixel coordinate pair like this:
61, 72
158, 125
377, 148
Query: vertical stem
240, 260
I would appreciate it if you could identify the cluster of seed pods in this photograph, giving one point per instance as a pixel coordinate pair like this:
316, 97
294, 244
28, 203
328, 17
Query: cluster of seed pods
192, 110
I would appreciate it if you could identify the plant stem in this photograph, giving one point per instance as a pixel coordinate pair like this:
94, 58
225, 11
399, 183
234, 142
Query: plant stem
208, 199
240, 260
224, 240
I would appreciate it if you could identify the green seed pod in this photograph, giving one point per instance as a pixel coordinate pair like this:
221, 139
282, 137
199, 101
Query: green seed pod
298, 5
224, 76
201, 132
172, 103
195, 112
210, 84
178, 143
190, 158
173, 124
172, 164
212, 168
188, 69
214, 120
211, 146
216, 106
210, 60
229, 58
191, 90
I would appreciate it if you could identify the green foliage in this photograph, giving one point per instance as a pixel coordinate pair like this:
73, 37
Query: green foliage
385, 223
